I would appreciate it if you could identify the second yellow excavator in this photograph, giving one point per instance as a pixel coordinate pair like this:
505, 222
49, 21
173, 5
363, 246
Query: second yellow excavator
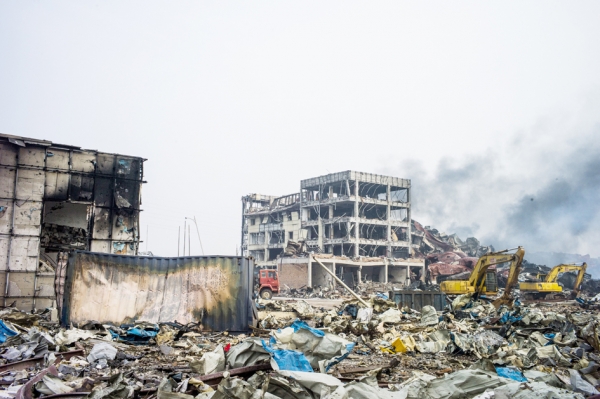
483, 282
549, 285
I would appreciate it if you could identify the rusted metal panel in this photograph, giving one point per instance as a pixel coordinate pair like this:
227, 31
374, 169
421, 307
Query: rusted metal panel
214, 291
445, 269
417, 299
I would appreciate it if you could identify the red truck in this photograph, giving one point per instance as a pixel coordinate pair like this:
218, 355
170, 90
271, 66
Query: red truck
268, 281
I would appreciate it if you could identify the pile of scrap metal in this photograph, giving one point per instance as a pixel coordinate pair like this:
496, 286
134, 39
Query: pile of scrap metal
433, 241
446, 255
364, 348
560, 281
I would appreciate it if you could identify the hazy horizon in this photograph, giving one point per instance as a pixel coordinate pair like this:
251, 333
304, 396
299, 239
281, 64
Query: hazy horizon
491, 109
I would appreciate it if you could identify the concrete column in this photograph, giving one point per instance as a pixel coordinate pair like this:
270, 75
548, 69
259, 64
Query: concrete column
389, 222
333, 270
409, 218
321, 231
359, 273
356, 223
348, 228
385, 270
309, 277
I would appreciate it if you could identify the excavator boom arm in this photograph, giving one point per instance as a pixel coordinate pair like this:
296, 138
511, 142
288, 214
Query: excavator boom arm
556, 270
484, 263
513, 276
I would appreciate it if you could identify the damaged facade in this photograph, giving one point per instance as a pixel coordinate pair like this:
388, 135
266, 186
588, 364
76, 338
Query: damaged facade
358, 223
57, 198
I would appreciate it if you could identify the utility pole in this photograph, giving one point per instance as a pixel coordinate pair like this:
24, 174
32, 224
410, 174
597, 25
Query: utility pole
178, 239
198, 232
184, 234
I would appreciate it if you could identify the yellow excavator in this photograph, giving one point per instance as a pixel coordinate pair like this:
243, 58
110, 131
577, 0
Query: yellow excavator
485, 282
548, 285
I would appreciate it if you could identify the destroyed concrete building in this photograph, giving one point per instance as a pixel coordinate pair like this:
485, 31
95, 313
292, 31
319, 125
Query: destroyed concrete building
358, 223
56, 198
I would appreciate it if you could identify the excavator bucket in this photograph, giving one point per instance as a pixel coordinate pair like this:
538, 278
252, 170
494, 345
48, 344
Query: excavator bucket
513, 278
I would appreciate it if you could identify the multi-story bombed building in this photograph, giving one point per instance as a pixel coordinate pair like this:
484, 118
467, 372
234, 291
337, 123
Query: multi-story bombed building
358, 223
357, 214
269, 222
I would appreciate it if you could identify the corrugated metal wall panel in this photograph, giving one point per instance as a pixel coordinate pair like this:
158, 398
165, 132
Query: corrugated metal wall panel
215, 291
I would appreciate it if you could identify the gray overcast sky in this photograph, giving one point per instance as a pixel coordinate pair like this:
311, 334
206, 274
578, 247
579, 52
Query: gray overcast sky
490, 107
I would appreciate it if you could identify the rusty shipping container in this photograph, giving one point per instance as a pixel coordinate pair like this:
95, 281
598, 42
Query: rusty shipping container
213, 290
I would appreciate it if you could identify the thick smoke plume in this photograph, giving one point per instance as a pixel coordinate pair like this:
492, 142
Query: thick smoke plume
541, 190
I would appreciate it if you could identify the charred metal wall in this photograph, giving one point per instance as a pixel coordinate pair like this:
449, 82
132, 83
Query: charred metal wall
57, 198
215, 291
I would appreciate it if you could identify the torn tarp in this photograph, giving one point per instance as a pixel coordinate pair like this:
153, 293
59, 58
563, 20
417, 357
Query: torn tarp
511, 373
5, 332
322, 350
286, 359
138, 335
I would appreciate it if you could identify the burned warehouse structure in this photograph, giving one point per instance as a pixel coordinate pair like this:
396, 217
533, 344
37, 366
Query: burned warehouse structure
58, 198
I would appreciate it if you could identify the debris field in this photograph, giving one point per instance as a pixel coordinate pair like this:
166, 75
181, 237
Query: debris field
469, 349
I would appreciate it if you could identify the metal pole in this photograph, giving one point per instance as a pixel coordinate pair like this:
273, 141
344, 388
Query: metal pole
178, 240
189, 241
199, 240
184, 234
341, 282
198, 232
147, 239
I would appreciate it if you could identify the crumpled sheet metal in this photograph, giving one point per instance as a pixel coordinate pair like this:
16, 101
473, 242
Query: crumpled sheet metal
429, 316
248, 352
457, 385
322, 350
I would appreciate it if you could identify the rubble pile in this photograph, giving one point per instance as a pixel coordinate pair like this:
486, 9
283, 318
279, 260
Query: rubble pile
361, 348
447, 257
313, 292
433, 241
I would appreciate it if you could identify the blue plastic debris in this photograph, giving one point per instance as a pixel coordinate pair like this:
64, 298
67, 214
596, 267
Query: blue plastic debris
301, 325
383, 296
136, 335
351, 309
517, 302
288, 359
581, 301
5, 332
511, 373
338, 359
508, 317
